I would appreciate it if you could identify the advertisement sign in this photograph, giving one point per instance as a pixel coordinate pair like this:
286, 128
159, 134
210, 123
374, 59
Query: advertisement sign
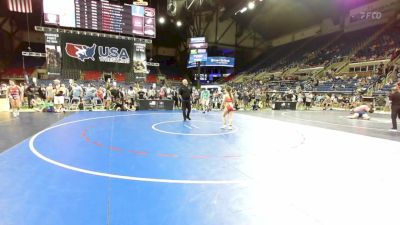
198, 51
96, 53
139, 58
215, 62
221, 61
197, 40
198, 45
150, 22
198, 58
53, 53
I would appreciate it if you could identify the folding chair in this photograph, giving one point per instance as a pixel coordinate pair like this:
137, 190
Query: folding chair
98, 103
87, 104
74, 103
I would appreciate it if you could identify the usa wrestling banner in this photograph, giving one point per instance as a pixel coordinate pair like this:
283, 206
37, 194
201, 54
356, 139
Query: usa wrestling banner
96, 53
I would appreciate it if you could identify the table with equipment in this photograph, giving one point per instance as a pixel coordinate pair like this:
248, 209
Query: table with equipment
4, 104
282, 105
148, 104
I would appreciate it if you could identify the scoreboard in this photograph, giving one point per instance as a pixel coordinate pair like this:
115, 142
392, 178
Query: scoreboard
101, 16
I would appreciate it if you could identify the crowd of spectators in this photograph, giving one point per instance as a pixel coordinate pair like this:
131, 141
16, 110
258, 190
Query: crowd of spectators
342, 91
61, 96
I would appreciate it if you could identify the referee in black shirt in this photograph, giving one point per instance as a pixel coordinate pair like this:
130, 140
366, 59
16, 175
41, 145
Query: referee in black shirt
185, 93
395, 99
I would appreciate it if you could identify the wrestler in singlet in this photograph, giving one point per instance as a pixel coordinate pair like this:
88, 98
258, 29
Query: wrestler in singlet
14, 95
228, 108
229, 104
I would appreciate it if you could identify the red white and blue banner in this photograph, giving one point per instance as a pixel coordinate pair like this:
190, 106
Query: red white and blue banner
96, 53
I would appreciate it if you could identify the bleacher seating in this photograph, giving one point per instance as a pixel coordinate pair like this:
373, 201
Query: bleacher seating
92, 75
273, 55
15, 73
382, 47
119, 77
343, 45
151, 78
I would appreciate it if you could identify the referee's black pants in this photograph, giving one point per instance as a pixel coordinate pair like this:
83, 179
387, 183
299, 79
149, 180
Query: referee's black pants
186, 108
395, 114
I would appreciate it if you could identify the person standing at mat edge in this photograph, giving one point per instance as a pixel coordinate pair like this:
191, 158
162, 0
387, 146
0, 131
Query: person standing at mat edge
185, 93
228, 108
395, 99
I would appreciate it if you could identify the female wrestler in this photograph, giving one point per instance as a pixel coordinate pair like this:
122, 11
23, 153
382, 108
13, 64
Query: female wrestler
14, 93
228, 108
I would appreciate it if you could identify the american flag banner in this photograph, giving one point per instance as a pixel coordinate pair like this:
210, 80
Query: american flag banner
23, 6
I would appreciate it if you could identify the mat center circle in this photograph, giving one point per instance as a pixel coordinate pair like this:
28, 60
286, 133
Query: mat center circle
193, 128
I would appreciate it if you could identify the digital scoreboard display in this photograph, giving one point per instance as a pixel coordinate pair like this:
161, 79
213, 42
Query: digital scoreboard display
101, 16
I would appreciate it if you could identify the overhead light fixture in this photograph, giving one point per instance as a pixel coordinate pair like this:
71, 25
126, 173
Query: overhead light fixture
251, 5
161, 20
178, 23
243, 10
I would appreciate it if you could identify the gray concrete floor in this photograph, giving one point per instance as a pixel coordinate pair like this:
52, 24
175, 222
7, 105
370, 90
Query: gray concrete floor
15, 130
378, 126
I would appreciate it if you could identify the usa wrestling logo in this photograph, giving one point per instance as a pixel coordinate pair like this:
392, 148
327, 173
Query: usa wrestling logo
81, 52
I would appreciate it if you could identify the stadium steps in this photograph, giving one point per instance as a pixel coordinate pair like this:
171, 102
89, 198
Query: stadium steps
291, 71
340, 66
291, 53
329, 43
391, 76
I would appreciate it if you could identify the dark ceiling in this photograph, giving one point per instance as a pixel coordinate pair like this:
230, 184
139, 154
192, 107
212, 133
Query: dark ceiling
270, 18
274, 18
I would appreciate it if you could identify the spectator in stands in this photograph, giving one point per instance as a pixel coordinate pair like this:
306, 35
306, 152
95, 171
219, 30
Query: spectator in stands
50, 93
58, 96
107, 99
300, 97
131, 97
30, 94
90, 93
118, 98
395, 54
309, 97
23, 87
175, 98
395, 108
42, 92
246, 99
65, 91
77, 92
101, 92
205, 100
195, 97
